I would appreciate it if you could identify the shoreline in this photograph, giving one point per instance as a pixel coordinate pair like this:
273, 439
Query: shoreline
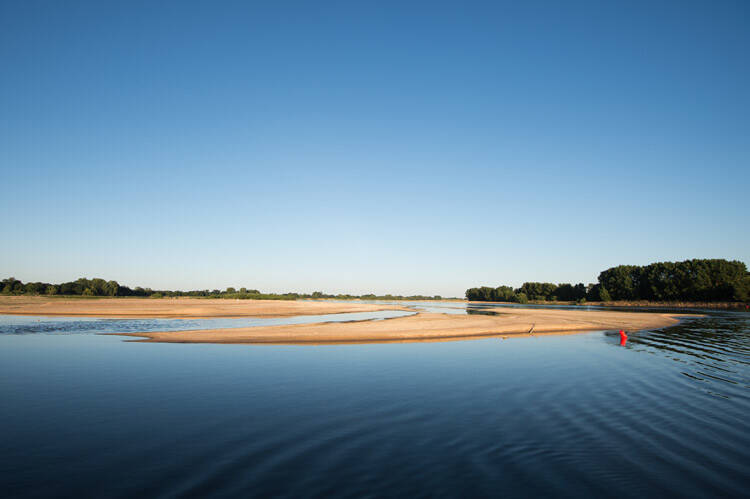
178, 308
423, 326
723, 305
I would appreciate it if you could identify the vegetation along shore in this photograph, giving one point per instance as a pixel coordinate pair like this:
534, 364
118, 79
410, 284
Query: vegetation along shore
90, 288
678, 284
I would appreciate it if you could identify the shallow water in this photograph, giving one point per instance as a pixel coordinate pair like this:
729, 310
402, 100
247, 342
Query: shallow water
10, 324
92, 415
458, 307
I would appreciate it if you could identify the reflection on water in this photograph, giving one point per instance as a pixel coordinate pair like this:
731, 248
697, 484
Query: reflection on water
438, 307
580, 415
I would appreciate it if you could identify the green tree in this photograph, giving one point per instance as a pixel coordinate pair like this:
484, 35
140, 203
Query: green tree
593, 293
98, 286
35, 288
111, 288
504, 293
8, 285
621, 282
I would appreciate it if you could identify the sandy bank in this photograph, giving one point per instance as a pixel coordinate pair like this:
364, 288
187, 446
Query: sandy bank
426, 327
138, 308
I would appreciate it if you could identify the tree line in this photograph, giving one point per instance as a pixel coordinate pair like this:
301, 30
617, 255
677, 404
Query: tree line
707, 280
102, 287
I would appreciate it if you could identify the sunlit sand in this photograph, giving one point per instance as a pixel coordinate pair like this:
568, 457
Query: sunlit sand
177, 308
419, 327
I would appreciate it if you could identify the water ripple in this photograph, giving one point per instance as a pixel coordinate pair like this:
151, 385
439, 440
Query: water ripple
579, 415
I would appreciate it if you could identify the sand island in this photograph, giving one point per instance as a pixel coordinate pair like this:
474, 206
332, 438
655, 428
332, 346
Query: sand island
425, 326
422, 326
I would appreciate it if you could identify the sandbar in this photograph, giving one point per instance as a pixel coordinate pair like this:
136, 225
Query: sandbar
177, 308
427, 327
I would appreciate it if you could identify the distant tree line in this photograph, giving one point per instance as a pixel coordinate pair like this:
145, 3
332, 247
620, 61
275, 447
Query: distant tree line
101, 287
371, 296
714, 280
536, 291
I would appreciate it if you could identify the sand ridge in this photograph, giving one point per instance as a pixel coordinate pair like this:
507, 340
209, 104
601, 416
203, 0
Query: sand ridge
177, 308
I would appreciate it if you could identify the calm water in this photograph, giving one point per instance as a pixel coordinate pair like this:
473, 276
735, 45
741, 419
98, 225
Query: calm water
90, 415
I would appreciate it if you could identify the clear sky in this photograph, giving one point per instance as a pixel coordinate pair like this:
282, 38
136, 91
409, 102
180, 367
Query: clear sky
407, 147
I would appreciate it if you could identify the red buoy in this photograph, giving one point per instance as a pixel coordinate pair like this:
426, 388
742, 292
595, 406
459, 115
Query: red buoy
623, 338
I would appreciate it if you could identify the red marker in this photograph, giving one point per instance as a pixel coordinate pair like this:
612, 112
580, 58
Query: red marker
623, 338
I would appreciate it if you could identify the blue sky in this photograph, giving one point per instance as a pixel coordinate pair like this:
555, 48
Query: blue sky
370, 146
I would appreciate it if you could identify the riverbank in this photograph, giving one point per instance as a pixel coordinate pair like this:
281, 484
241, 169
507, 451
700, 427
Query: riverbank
427, 327
634, 304
177, 308
686, 305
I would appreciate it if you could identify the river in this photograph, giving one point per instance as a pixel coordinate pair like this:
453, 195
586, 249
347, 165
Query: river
86, 415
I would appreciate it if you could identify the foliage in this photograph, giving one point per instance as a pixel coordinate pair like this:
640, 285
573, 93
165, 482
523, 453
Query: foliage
539, 291
690, 280
100, 287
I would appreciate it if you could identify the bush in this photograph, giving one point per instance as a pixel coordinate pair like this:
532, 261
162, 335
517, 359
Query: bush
522, 298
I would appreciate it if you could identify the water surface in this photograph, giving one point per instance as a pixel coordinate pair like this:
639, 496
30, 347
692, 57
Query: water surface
10, 324
91, 415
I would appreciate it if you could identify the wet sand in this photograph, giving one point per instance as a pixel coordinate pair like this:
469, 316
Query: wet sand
427, 327
176, 308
